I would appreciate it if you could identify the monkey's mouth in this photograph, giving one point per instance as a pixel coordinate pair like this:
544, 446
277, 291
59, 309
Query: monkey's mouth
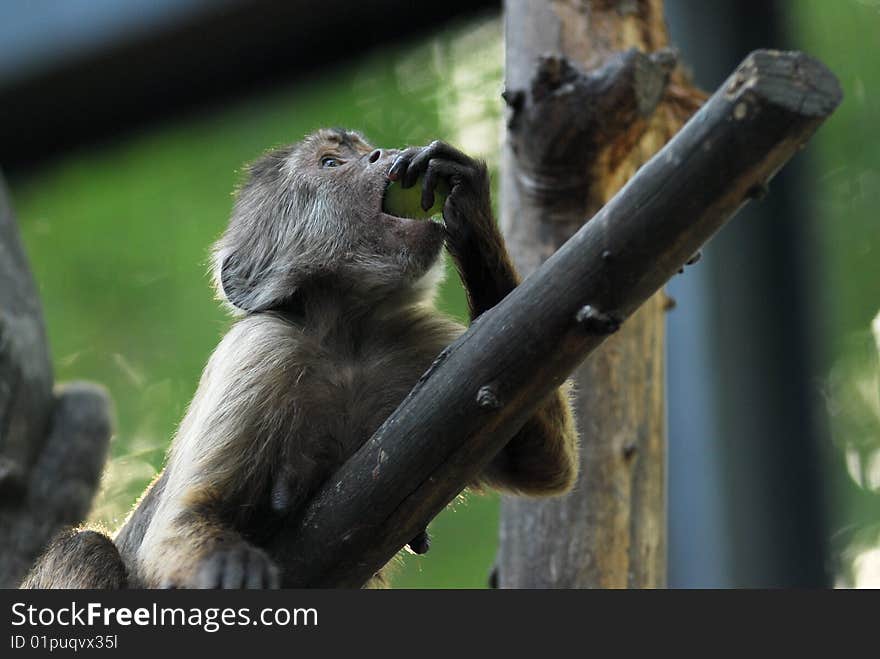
406, 203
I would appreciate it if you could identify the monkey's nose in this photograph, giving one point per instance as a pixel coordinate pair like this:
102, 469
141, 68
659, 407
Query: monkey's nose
375, 155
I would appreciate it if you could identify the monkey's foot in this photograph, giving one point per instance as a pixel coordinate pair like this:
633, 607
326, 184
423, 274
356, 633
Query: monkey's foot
239, 566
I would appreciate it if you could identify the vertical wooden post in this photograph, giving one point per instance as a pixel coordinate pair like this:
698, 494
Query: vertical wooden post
593, 93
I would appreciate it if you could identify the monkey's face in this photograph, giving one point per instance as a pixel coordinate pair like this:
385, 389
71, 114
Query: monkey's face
312, 212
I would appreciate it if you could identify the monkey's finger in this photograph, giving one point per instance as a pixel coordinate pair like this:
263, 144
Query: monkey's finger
440, 149
417, 167
211, 572
254, 578
234, 570
453, 172
262, 573
397, 167
273, 577
428, 186
401, 164
436, 150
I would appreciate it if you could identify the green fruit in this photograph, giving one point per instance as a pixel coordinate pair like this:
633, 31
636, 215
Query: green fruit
407, 202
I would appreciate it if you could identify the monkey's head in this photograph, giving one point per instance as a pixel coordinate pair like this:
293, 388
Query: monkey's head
311, 214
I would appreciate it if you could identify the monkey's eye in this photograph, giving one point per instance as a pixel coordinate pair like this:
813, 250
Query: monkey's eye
330, 161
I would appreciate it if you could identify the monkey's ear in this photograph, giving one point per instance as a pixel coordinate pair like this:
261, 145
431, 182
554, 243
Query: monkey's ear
231, 281
242, 286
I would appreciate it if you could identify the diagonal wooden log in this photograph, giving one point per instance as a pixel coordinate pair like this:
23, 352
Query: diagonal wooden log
440, 437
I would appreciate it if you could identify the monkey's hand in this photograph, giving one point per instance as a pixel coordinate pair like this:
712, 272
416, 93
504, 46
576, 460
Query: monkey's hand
473, 238
229, 565
468, 204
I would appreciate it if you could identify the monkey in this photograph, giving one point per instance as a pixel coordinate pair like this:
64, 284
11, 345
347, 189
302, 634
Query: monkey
335, 322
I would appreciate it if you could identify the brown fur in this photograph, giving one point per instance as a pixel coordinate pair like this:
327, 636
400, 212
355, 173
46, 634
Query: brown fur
338, 325
79, 559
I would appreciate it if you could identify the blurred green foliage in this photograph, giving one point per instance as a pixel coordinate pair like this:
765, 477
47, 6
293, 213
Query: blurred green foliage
844, 205
118, 239
846, 37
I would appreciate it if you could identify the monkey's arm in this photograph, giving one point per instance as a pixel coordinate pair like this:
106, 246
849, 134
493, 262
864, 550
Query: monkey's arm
542, 457
221, 467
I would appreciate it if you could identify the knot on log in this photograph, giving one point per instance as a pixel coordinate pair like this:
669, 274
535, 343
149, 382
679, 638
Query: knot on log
691, 261
593, 321
488, 398
759, 191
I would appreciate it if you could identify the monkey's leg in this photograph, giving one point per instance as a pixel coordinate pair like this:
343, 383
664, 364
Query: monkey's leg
541, 459
78, 559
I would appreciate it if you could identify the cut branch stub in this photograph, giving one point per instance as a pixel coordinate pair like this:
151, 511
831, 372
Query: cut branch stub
567, 116
628, 85
434, 444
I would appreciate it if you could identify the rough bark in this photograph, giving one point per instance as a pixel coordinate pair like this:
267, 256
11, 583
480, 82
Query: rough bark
441, 436
611, 532
52, 444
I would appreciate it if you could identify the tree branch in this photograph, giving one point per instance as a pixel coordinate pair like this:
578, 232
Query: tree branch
440, 437
590, 109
